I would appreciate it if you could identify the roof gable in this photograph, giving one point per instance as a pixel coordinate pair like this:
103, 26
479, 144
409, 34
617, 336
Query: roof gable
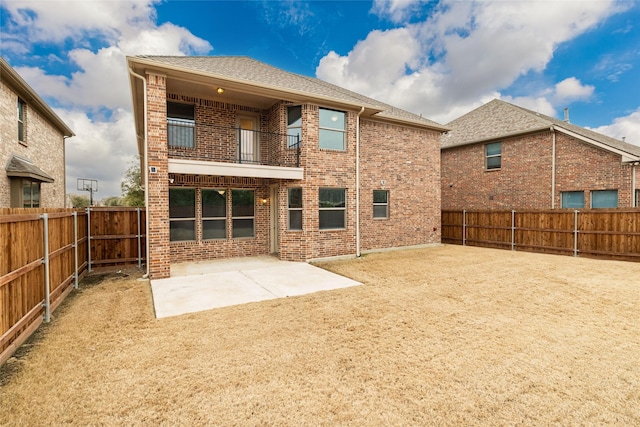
25, 91
251, 71
499, 119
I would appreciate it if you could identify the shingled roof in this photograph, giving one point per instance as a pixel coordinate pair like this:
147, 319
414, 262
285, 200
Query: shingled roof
24, 168
499, 119
251, 71
11, 76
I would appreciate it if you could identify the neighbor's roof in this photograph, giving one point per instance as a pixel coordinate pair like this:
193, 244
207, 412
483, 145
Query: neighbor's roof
251, 71
30, 96
499, 119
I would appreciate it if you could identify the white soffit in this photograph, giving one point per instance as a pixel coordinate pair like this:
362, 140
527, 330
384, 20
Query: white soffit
198, 167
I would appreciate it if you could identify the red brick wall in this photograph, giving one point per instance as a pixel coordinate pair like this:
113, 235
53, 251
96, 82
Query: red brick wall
407, 159
583, 167
322, 168
199, 249
158, 184
524, 180
406, 162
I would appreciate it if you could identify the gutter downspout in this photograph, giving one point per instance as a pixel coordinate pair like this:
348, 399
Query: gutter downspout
553, 168
146, 167
358, 254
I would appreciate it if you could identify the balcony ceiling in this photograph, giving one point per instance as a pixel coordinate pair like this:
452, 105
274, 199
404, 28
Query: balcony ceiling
231, 94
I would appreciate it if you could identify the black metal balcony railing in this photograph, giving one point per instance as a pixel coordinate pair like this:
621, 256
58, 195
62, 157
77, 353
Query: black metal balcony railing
233, 145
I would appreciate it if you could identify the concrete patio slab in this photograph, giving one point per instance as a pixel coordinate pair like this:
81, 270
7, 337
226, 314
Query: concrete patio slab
198, 286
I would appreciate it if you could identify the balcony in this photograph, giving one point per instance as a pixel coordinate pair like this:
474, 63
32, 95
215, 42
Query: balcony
232, 151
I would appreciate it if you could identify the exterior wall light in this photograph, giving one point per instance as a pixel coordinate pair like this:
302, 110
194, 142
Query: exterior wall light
220, 91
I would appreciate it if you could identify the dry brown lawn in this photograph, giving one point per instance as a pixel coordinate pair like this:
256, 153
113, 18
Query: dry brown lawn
441, 336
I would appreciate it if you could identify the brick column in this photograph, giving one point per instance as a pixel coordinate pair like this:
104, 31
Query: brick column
158, 184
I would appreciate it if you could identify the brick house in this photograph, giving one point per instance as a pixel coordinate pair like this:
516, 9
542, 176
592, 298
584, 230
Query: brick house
31, 146
501, 156
242, 158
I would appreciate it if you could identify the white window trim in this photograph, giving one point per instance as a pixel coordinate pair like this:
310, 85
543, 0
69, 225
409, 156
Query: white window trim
344, 131
381, 204
491, 156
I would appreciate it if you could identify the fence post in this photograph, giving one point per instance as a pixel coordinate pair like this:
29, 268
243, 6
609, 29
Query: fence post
464, 227
89, 240
575, 233
45, 261
513, 229
75, 249
139, 244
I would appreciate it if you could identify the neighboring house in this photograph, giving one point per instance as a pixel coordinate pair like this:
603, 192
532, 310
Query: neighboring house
501, 156
31, 146
242, 158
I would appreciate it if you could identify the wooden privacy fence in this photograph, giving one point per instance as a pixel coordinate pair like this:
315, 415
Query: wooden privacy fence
117, 236
45, 252
609, 234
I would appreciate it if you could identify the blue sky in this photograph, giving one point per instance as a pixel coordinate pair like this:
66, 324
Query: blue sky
436, 58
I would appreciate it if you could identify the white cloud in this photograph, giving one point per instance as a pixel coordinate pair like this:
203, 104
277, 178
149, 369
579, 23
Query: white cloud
627, 127
101, 150
396, 10
363, 70
571, 89
465, 51
167, 39
53, 22
95, 100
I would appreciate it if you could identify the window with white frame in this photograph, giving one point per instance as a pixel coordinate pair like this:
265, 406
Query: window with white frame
332, 130
181, 125
493, 155
380, 204
21, 119
182, 214
604, 199
572, 199
242, 213
637, 198
214, 214
333, 208
30, 194
294, 126
295, 208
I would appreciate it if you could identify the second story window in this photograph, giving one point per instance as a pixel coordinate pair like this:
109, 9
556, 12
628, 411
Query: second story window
332, 130
21, 117
181, 125
493, 154
294, 126
381, 204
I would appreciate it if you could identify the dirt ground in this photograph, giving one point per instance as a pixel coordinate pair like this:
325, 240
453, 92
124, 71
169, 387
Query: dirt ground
449, 335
